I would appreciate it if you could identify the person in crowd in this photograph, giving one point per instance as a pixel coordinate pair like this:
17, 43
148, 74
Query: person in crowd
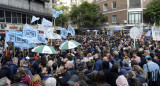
121, 81
98, 62
33, 64
140, 74
4, 71
12, 67
50, 82
69, 71
133, 62
126, 67
135, 57
116, 59
46, 73
26, 68
74, 80
17, 80
132, 80
5, 82
54, 68
150, 66
81, 69
113, 75
25, 78
36, 80
143, 61
106, 69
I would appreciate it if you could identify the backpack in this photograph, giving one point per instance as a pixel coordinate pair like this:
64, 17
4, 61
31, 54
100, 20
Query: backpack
117, 62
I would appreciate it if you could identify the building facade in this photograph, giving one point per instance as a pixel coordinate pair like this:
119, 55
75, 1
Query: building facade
125, 13
14, 14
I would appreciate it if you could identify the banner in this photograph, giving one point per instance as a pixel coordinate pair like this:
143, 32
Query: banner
156, 33
56, 13
48, 33
17, 32
64, 33
41, 39
56, 36
21, 42
9, 37
46, 22
41, 27
30, 33
71, 30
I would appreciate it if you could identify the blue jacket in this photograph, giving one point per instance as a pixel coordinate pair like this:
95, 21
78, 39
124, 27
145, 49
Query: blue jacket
98, 64
28, 71
124, 70
141, 78
35, 65
12, 69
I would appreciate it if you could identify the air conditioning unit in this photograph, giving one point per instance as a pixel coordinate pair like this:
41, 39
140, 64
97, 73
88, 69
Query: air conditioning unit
125, 21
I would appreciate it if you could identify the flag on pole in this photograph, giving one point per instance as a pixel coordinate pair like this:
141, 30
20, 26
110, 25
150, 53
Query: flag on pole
71, 30
64, 33
34, 19
40, 27
148, 33
46, 22
56, 13
17, 32
122, 32
48, 33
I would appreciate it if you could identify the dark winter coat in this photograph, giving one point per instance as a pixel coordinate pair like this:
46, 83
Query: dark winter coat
112, 78
124, 70
98, 64
12, 69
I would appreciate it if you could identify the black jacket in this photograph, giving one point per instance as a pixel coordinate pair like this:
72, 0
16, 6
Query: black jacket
112, 78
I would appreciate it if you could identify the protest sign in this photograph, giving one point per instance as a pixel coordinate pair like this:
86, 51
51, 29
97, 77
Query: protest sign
21, 42
156, 33
41, 39
135, 33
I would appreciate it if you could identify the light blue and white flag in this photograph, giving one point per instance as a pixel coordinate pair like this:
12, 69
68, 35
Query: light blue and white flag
21, 42
9, 37
41, 39
48, 33
17, 32
47, 23
56, 13
71, 30
64, 33
34, 19
30, 33
148, 33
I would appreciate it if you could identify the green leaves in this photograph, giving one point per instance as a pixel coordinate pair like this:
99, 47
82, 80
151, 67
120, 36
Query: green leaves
86, 15
152, 13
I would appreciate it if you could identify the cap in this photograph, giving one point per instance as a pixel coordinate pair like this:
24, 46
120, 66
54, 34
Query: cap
73, 79
147, 57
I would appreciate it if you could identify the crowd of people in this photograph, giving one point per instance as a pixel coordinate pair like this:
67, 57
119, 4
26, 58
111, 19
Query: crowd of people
100, 60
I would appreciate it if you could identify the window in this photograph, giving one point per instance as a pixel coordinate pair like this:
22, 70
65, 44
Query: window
19, 18
8, 16
134, 3
114, 19
24, 18
114, 4
14, 17
28, 19
2, 19
135, 17
105, 7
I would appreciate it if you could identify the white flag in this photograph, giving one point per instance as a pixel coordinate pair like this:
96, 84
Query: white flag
46, 22
34, 19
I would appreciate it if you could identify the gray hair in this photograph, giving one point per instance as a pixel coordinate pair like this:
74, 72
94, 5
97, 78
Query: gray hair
70, 64
115, 54
137, 68
50, 82
4, 81
126, 62
15, 58
130, 75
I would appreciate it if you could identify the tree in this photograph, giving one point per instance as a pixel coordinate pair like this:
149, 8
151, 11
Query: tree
152, 13
87, 15
62, 20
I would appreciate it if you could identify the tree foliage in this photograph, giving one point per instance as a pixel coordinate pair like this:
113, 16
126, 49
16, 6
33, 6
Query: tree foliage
152, 13
63, 19
86, 15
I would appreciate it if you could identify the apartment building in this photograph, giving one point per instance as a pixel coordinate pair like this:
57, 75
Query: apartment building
123, 13
15, 13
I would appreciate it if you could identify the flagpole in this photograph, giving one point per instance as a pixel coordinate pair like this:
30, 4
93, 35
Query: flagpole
14, 49
134, 42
